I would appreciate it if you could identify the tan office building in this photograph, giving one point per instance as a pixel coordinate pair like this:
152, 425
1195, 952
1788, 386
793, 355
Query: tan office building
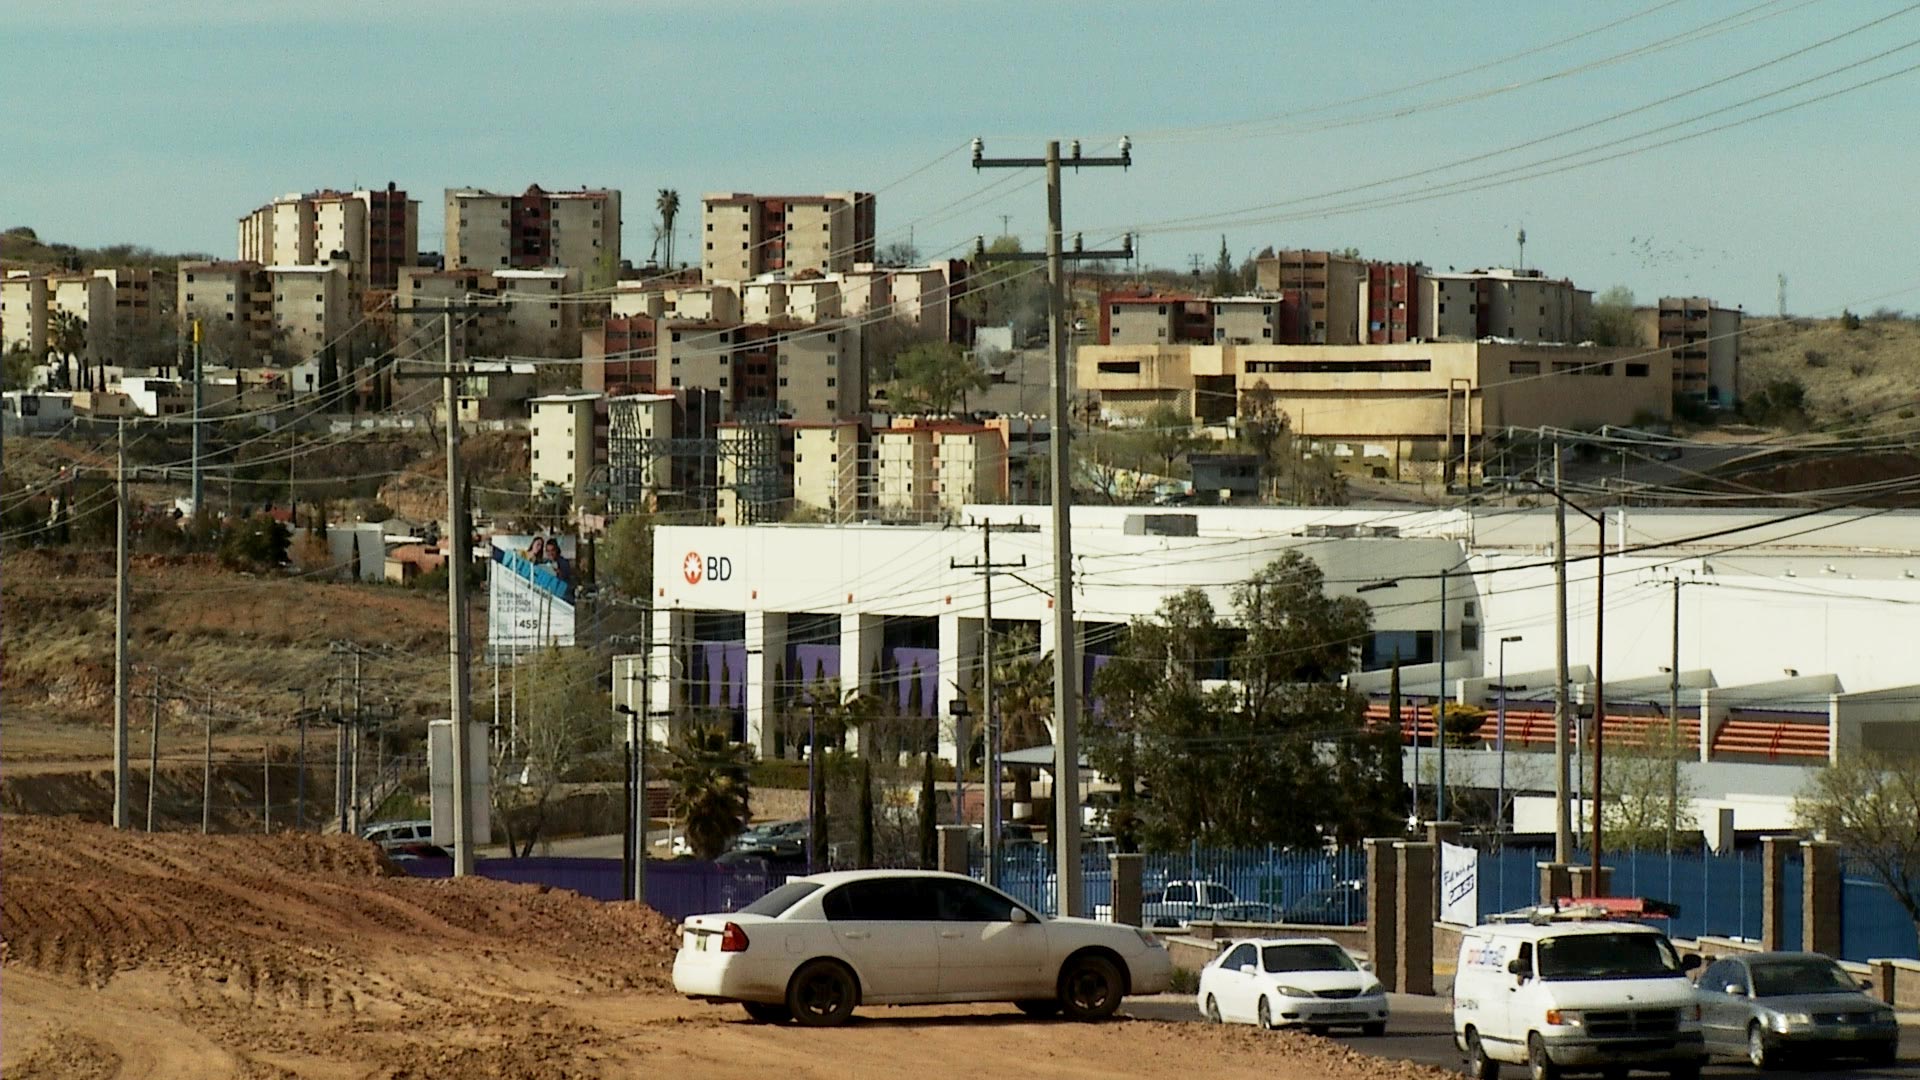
1400, 404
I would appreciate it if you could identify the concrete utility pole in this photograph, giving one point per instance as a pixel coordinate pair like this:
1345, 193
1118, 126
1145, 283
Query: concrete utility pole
1562, 776
206, 777
985, 568
199, 404
153, 752
1440, 709
1599, 689
1066, 662
1673, 726
122, 813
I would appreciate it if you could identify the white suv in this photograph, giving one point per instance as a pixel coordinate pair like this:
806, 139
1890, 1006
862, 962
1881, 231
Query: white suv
392, 834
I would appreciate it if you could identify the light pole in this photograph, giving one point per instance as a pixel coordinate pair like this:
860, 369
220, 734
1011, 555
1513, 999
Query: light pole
1500, 737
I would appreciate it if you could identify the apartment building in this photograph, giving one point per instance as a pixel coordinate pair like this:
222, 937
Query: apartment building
661, 449
1704, 341
539, 313
745, 235
313, 306
828, 468
566, 439
820, 376
807, 372
1390, 306
930, 468
475, 333
617, 354
1321, 292
1245, 320
376, 230
1155, 319
489, 230
1401, 405
233, 300
24, 312
1516, 305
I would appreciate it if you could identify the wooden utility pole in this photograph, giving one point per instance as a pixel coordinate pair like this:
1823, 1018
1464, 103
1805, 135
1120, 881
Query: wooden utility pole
989, 716
1562, 775
206, 777
122, 813
153, 752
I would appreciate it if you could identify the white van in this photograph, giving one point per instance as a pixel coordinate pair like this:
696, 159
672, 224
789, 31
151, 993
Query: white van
1561, 996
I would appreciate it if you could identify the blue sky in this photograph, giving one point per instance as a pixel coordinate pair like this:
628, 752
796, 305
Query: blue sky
160, 123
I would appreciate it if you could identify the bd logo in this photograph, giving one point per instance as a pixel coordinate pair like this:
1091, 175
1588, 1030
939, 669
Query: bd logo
711, 568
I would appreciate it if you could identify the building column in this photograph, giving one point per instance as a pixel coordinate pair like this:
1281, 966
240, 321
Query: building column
766, 634
959, 665
666, 663
860, 639
1773, 891
1413, 949
1820, 897
1383, 911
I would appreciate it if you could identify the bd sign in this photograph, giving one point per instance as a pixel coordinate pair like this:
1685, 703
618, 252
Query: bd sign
711, 568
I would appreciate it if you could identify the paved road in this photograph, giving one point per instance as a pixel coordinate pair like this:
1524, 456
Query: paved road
1422, 1031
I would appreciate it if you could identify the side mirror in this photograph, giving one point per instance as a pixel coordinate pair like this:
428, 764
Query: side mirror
1517, 966
1689, 961
1017, 916
1248, 969
1366, 965
1736, 990
1865, 984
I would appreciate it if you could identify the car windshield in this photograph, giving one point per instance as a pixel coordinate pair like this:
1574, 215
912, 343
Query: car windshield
1607, 956
1306, 958
779, 900
1779, 978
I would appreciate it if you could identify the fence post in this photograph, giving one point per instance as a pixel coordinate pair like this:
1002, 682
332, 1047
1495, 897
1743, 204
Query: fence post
1383, 900
953, 848
1555, 881
1773, 891
1125, 902
1820, 891
1413, 947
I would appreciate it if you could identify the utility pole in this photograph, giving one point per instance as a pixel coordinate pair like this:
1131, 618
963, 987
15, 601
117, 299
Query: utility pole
1440, 709
353, 750
1562, 780
300, 781
1599, 689
985, 568
206, 776
1066, 665
1673, 726
199, 403
266, 788
122, 813
153, 751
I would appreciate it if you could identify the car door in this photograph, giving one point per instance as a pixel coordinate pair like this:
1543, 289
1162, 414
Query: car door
886, 927
1519, 1007
1238, 994
1724, 1012
984, 951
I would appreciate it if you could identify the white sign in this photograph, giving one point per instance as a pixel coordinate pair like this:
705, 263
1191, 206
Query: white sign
1459, 885
440, 782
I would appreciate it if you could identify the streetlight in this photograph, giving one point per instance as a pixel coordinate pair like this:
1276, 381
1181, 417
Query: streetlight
633, 849
1500, 737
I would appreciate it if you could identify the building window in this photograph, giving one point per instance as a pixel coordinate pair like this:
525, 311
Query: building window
1523, 367
1469, 637
676, 380
830, 380
1636, 371
189, 279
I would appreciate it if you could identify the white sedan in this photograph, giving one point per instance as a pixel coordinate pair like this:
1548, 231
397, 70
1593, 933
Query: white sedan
1292, 982
814, 948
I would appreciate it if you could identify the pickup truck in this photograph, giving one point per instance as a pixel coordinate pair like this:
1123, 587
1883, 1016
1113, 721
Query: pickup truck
1175, 904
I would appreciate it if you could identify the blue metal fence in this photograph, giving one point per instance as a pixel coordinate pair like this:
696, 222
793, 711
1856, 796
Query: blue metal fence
1873, 925
1716, 894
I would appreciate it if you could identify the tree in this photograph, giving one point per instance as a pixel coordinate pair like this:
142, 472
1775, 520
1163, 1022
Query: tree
1006, 293
563, 706
1289, 473
18, 366
1635, 781
931, 376
668, 203
1023, 696
711, 794
1226, 277
898, 253
1869, 802
929, 830
258, 542
1228, 763
1611, 322
67, 339
626, 555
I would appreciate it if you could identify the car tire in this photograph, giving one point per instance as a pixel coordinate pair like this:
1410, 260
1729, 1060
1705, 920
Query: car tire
1540, 1064
1265, 1015
1761, 1053
762, 1013
822, 994
1090, 987
1374, 1030
1045, 1009
1886, 1053
1318, 1029
1212, 1011
1479, 1065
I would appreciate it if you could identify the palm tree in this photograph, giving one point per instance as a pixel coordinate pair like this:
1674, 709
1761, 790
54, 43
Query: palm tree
1023, 696
669, 206
67, 338
711, 793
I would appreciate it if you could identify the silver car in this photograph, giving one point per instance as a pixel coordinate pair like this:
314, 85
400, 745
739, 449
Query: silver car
1769, 1006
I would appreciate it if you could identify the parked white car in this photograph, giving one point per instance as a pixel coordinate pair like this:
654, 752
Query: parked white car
816, 947
1292, 982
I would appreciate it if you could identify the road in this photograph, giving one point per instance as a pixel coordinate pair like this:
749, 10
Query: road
1422, 1031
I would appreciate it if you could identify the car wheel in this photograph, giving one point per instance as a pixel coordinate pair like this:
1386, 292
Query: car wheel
762, 1013
1760, 1051
1266, 1014
1886, 1053
1374, 1030
822, 994
1212, 1010
1090, 988
1317, 1029
1479, 1065
1039, 1010
1540, 1066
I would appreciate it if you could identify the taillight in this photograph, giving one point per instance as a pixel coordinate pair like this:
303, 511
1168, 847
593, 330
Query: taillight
733, 939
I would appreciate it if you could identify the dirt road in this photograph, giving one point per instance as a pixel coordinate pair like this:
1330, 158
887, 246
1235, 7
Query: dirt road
294, 956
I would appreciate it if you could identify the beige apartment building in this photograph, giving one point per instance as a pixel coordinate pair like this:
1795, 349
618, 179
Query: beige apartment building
745, 235
234, 302
827, 471
487, 230
24, 311
1518, 305
565, 441
925, 469
476, 333
376, 231
313, 306
539, 314
1326, 288
106, 300
1704, 342
1399, 404
820, 377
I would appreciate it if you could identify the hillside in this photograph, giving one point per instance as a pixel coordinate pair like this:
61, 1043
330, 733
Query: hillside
22, 249
1847, 373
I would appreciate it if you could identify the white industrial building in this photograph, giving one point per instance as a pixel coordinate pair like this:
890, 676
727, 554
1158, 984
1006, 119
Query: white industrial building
1797, 637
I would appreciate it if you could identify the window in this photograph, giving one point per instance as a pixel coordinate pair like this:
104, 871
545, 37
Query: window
832, 404
1470, 609
676, 380
229, 297
1523, 367
189, 279
1241, 956
783, 382
965, 901
1469, 637
830, 380
882, 900
536, 455
1636, 371
779, 900
189, 295
1290, 958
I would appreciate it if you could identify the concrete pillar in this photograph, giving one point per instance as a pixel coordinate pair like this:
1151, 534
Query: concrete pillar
671, 632
1127, 892
953, 848
1383, 910
1440, 832
1820, 889
1581, 880
1712, 715
1555, 882
766, 635
959, 661
1413, 947
1773, 891
1883, 974
860, 637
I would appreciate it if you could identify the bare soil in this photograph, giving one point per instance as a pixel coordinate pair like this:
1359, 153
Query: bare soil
297, 956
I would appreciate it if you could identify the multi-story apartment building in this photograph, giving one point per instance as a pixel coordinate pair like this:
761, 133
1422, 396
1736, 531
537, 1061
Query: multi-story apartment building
746, 235
1390, 309
1399, 404
375, 230
905, 480
487, 230
476, 333
567, 440
1518, 305
926, 468
539, 314
23, 312
233, 300
313, 306
523, 312
106, 301
821, 378
1245, 320
828, 468
653, 449
1153, 319
617, 355
807, 372
1704, 341
1321, 291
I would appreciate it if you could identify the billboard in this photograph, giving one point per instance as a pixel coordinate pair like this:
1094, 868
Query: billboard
530, 581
